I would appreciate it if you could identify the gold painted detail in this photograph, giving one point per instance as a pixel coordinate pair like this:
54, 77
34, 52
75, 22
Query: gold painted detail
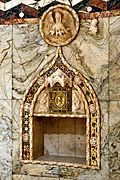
31, 93
94, 118
26, 122
60, 99
59, 65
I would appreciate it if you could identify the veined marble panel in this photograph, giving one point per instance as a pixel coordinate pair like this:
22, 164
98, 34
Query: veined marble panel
114, 25
114, 140
51, 144
114, 176
89, 54
67, 145
5, 62
30, 54
114, 64
5, 140
16, 135
114, 58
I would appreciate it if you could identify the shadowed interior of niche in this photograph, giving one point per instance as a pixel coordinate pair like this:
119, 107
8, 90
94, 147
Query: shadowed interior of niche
59, 139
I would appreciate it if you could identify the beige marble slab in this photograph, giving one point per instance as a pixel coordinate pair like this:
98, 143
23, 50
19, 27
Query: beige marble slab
114, 57
30, 55
5, 140
115, 69
51, 144
16, 134
89, 54
5, 62
114, 138
67, 145
114, 25
114, 64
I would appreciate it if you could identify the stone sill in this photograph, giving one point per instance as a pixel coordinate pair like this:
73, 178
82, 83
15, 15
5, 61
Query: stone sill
75, 165
61, 115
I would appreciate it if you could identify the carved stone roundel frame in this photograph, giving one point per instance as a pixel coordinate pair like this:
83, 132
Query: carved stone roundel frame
59, 25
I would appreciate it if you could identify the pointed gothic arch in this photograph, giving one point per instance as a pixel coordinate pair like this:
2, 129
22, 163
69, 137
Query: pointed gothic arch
78, 100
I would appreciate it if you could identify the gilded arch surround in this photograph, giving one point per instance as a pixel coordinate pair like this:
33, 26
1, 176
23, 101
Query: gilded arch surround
81, 84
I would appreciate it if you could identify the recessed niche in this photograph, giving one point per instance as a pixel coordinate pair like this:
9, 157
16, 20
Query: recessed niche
59, 139
60, 118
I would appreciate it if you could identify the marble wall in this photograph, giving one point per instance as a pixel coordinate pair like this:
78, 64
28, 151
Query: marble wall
23, 54
114, 97
6, 102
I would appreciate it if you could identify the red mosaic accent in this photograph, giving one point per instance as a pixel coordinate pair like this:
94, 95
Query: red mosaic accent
99, 4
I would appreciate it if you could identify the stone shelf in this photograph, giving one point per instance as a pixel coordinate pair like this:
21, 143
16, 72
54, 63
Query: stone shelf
62, 159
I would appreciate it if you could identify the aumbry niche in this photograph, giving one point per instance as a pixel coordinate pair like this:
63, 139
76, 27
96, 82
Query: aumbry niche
60, 116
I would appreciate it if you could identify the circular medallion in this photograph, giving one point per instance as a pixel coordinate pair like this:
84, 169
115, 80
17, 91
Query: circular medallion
93, 141
78, 80
59, 25
60, 99
92, 108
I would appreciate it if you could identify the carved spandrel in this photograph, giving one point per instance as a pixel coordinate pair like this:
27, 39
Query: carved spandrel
77, 103
41, 105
